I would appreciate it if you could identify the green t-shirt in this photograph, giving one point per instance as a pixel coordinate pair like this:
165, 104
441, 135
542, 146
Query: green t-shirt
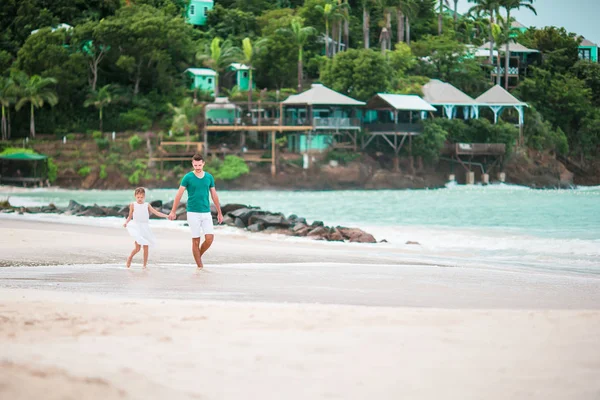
198, 191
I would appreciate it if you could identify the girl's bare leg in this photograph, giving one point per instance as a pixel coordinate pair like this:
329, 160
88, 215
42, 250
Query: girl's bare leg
133, 253
145, 255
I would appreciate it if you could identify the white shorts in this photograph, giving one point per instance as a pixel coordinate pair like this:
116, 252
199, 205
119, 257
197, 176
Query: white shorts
200, 223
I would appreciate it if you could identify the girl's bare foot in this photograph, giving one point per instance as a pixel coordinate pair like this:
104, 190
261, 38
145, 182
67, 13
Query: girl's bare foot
128, 262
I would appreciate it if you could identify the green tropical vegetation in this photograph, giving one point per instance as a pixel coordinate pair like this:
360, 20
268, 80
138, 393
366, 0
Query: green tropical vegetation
65, 81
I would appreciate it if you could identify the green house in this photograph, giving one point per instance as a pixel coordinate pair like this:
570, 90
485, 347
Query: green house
204, 79
242, 76
197, 10
588, 51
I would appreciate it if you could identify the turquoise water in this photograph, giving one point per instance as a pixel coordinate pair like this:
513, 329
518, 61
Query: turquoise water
571, 214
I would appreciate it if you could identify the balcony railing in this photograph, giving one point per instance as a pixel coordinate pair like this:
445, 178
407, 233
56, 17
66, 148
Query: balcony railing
497, 149
511, 71
336, 123
414, 128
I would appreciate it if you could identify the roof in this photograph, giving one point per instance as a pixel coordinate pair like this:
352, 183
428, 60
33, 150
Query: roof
24, 157
400, 102
480, 51
53, 29
587, 43
222, 103
319, 94
201, 71
438, 92
513, 48
517, 24
238, 66
497, 95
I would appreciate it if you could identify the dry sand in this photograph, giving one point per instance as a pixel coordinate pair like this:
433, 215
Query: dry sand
273, 319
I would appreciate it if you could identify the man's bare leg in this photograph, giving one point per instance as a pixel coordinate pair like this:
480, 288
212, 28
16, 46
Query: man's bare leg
208, 240
196, 252
145, 256
133, 253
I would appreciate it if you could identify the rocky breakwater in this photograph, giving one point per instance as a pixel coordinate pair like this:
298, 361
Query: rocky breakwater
252, 219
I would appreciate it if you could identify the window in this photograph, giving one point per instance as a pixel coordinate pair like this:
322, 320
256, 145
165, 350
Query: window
210, 80
205, 10
245, 74
585, 54
192, 10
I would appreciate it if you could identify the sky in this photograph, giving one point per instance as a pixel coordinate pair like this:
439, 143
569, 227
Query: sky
578, 16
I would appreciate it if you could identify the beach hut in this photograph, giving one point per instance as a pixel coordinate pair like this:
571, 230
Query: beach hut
588, 50
222, 112
449, 100
518, 63
197, 10
23, 168
239, 75
498, 99
395, 117
330, 113
204, 79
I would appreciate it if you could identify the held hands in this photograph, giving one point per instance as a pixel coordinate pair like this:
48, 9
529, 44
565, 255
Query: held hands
172, 216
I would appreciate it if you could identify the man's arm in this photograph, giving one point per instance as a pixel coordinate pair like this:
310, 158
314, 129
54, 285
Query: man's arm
215, 198
176, 201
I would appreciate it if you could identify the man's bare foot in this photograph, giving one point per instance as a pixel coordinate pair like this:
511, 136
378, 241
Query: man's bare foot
200, 265
145, 266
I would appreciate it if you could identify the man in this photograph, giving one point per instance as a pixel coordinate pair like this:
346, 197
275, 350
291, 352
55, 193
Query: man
199, 184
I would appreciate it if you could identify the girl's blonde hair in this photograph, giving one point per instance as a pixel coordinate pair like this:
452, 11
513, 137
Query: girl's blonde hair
140, 190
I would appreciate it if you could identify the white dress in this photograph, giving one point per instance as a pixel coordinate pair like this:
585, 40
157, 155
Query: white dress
138, 228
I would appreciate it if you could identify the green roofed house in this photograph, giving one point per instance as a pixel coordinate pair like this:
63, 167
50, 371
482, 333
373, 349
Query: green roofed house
197, 10
204, 79
23, 168
588, 51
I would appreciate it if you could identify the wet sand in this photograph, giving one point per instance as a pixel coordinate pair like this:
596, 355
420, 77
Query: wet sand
270, 318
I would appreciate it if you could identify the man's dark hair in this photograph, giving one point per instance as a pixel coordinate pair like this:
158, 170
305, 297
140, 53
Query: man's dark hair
197, 157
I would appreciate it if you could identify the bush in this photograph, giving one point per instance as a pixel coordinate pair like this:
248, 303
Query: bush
70, 136
52, 170
97, 135
341, 156
135, 142
137, 119
103, 174
102, 143
231, 168
430, 142
84, 171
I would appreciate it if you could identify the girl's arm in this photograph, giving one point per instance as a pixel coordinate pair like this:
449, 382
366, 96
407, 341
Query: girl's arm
157, 213
130, 215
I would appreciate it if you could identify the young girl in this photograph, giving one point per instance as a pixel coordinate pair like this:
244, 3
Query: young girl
140, 211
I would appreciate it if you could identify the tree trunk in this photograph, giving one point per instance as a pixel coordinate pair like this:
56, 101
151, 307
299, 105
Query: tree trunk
339, 36
366, 20
9, 124
440, 17
388, 25
300, 69
507, 55
32, 123
333, 46
217, 85
499, 66
407, 31
149, 148
400, 18
455, 12
101, 120
347, 34
4, 131
138, 78
326, 38
250, 87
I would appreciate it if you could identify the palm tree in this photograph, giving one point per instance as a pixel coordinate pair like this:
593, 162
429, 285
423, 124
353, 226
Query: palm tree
441, 14
185, 116
36, 91
385, 37
331, 14
100, 99
490, 7
366, 22
300, 35
6, 99
405, 9
249, 53
218, 56
510, 5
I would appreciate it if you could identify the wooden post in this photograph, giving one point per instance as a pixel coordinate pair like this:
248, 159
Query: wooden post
205, 133
273, 149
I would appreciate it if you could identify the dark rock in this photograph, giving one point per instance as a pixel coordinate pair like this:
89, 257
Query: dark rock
157, 203
75, 207
302, 232
228, 220
93, 211
123, 211
227, 208
168, 204
317, 223
335, 236
239, 223
181, 216
319, 232
383, 241
302, 221
49, 208
114, 212
411, 242
34, 210
245, 213
356, 235
256, 227
299, 226
270, 220
293, 217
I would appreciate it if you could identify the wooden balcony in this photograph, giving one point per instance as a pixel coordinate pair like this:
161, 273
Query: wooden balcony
333, 123
474, 149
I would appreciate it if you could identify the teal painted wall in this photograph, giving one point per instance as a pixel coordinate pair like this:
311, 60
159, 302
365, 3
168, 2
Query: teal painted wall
298, 143
243, 79
196, 11
204, 83
591, 50
221, 114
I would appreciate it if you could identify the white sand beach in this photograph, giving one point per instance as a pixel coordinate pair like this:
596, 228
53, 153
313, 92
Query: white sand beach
281, 319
